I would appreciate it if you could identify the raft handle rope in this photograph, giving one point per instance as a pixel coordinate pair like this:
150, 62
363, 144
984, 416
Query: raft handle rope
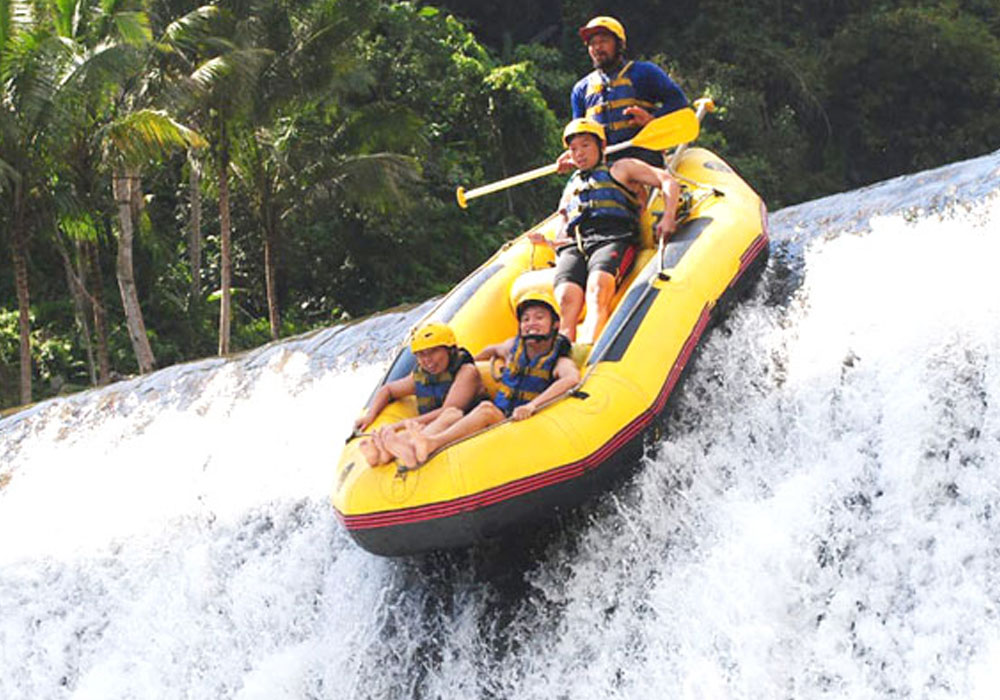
703, 106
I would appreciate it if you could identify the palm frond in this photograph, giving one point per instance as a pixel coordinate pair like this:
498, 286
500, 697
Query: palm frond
376, 181
107, 62
235, 69
63, 16
27, 75
149, 134
78, 226
190, 27
133, 28
381, 127
15, 16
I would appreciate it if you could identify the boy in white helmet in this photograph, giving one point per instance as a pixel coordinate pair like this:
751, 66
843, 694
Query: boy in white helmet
537, 368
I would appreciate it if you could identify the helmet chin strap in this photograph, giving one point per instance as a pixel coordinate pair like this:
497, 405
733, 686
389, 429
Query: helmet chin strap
541, 337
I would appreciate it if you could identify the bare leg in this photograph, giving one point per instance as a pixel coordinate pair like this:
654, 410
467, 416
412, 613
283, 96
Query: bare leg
481, 416
401, 447
600, 291
447, 418
570, 298
383, 454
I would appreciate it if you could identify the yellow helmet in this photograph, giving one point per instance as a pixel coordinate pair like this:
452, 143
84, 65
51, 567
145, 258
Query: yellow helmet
432, 335
602, 23
583, 125
538, 296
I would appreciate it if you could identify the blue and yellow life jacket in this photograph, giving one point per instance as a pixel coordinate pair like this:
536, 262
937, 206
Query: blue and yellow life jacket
606, 100
433, 388
596, 194
524, 379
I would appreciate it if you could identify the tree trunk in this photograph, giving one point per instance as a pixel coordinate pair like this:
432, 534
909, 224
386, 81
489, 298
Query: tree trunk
270, 274
124, 184
194, 226
225, 264
76, 282
91, 262
271, 264
20, 258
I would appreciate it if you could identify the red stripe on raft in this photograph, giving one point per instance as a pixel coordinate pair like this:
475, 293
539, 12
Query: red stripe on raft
568, 471
750, 254
626, 264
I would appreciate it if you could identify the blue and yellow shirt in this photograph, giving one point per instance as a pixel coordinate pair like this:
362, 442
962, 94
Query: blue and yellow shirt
432, 389
598, 208
604, 97
523, 379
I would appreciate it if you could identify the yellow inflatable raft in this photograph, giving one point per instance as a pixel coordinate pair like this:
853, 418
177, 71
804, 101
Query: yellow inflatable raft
515, 472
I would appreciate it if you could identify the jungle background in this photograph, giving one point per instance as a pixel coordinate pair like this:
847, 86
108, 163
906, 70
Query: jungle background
179, 180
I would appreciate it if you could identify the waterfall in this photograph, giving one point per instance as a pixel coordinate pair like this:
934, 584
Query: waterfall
820, 518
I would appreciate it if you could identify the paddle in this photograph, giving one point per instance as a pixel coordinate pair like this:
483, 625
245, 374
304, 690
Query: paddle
658, 135
702, 106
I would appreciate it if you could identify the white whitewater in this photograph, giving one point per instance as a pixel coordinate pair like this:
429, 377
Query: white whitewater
821, 519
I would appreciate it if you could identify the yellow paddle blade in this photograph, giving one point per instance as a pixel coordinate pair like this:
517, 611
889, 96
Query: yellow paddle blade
668, 131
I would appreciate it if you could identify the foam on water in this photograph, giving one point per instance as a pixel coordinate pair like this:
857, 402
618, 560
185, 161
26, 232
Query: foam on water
820, 520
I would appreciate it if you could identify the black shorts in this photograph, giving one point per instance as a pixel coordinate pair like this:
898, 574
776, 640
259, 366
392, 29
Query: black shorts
614, 257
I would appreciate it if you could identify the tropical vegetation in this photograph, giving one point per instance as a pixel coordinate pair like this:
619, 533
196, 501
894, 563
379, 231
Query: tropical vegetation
180, 179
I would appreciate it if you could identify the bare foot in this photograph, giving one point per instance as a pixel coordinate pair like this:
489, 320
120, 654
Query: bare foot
383, 454
370, 452
400, 447
421, 445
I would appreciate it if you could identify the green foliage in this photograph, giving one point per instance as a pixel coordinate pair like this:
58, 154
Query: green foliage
57, 363
939, 91
349, 124
144, 135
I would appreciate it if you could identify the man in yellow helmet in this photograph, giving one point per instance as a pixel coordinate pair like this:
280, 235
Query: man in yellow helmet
445, 378
600, 226
537, 368
621, 95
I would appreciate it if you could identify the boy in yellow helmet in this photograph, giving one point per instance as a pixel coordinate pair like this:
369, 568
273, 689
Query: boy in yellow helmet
537, 368
600, 226
445, 378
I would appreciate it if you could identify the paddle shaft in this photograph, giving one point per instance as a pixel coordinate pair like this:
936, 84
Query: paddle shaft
659, 134
513, 180
702, 107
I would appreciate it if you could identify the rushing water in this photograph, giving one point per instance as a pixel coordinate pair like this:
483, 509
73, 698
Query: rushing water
822, 519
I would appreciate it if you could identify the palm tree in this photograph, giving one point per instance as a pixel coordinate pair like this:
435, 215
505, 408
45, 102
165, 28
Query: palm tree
316, 65
221, 88
312, 45
180, 46
269, 165
28, 60
138, 137
262, 64
118, 60
79, 237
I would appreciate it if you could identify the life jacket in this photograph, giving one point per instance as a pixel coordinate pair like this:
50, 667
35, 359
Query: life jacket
606, 100
524, 379
594, 194
433, 388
